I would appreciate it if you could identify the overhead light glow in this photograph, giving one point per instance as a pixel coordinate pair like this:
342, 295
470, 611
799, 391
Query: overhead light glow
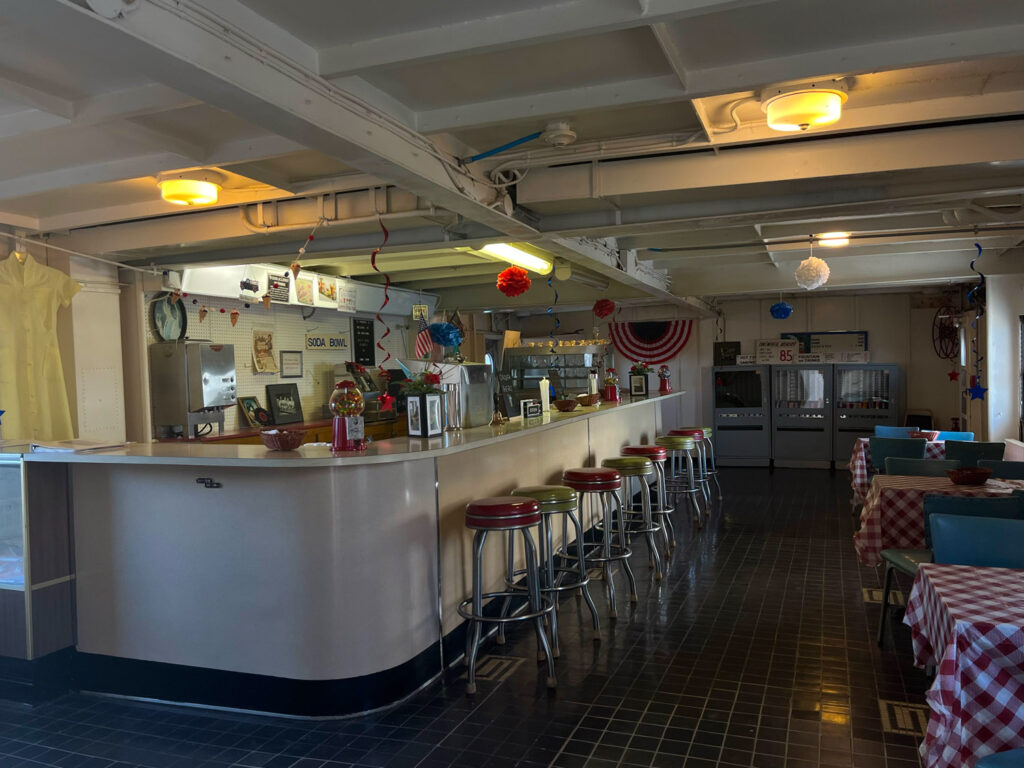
833, 239
200, 187
803, 108
518, 257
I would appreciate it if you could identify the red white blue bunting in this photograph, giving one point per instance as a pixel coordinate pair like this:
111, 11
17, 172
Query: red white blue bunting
648, 342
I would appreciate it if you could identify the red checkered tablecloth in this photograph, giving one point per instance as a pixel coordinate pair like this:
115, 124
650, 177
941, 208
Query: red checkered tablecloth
861, 469
969, 624
893, 513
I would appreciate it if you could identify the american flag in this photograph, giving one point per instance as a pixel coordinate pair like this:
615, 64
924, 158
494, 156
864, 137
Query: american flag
423, 341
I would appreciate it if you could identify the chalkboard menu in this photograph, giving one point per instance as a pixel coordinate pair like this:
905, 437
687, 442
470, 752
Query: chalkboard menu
725, 352
362, 342
507, 403
277, 286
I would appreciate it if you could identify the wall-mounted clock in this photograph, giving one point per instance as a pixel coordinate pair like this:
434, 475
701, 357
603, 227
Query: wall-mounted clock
170, 321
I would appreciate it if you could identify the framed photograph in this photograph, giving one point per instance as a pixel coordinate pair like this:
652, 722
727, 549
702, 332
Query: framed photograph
285, 406
638, 385
435, 423
253, 412
424, 415
263, 352
412, 409
291, 364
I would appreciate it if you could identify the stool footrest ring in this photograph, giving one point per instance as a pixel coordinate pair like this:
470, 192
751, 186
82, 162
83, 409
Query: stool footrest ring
547, 607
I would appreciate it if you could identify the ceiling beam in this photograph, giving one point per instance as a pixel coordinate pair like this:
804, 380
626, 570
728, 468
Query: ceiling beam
15, 89
28, 121
180, 46
153, 139
623, 93
555, 21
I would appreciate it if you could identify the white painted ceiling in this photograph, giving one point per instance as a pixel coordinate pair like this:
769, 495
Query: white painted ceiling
342, 110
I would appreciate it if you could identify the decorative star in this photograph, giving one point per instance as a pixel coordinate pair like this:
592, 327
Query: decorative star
977, 392
954, 375
387, 401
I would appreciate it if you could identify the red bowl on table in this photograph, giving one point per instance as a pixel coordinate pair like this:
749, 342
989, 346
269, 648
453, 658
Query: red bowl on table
969, 475
931, 435
282, 440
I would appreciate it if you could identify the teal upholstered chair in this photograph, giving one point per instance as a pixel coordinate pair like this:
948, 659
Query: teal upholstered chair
955, 436
989, 542
883, 447
896, 465
970, 453
1013, 758
906, 561
883, 431
1008, 470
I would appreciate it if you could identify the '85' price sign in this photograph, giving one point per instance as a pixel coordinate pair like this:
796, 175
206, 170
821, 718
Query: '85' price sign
777, 351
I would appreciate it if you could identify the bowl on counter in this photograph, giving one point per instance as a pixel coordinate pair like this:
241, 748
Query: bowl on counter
588, 400
565, 405
969, 475
931, 435
282, 439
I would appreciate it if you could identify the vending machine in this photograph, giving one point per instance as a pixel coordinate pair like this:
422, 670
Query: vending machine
866, 395
802, 415
742, 416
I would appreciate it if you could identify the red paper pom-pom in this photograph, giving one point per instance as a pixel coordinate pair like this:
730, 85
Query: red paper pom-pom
604, 307
513, 281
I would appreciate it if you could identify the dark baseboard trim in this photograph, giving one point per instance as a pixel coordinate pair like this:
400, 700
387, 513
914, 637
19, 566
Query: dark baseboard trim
36, 681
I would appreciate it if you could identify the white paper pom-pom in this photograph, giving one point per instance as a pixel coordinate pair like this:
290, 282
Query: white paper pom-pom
812, 273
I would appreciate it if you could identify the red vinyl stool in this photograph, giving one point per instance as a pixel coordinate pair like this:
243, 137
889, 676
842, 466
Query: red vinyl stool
601, 485
504, 513
701, 469
662, 511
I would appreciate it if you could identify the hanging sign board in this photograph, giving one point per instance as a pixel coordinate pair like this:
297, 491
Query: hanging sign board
776, 351
362, 342
419, 311
328, 342
278, 285
346, 295
830, 342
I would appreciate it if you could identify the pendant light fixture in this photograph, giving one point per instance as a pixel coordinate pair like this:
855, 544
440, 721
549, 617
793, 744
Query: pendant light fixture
517, 256
199, 187
801, 107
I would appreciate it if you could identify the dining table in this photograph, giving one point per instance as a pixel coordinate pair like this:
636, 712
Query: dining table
893, 512
968, 623
861, 469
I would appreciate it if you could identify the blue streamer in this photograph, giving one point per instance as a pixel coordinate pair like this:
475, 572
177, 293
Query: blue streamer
551, 310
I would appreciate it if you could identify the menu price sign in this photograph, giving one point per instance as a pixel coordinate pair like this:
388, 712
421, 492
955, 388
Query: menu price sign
346, 295
362, 342
507, 395
777, 351
277, 286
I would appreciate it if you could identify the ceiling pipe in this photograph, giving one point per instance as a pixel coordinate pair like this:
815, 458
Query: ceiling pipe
601, 150
419, 213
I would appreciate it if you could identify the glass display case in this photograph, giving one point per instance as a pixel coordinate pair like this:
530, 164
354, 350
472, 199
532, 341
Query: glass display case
867, 394
802, 415
742, 417
12, 526
572, 363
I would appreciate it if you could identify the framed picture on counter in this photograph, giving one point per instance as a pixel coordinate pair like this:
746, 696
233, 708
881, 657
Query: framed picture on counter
254, 413
285, 406
291, 364
424, 415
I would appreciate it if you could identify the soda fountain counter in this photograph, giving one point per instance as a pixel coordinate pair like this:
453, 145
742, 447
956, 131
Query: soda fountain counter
301, 583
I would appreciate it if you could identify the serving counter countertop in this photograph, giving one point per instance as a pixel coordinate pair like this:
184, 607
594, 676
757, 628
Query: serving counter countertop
378, 452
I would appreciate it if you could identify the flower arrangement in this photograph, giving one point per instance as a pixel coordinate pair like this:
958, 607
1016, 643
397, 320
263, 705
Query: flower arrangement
639, 368
664, 372
513, 281
423, 383
610, 377
445, 334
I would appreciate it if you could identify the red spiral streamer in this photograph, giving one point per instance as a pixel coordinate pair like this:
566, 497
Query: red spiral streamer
387, 299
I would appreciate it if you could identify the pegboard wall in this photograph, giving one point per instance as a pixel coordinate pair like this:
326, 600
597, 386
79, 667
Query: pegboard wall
289, 334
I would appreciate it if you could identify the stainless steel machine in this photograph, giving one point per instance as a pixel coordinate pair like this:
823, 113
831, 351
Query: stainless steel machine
866, 395
191, 383
802, 415
742, 416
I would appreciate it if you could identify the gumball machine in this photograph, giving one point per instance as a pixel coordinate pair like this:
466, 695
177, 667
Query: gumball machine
346, 405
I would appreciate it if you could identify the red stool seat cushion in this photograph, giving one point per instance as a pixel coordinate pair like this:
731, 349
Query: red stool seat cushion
652, 452
502, 512
592, 479
689, 432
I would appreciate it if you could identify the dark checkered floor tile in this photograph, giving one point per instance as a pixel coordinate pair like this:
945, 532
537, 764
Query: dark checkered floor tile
756, 650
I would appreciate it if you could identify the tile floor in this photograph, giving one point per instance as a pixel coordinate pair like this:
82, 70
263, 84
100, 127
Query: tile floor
758, 650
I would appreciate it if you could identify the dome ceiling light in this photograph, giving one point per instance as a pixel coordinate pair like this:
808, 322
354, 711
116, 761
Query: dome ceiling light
801, 107
200, 187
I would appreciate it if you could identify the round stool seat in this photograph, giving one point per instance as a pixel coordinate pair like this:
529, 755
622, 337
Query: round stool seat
695, 432
652, 452
552, 498
707, 431
592, 479
676, 442
630, 466
502, 513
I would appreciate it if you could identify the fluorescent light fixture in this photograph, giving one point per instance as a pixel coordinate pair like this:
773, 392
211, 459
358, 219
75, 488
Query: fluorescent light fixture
833, 239
803, 107
518, 257
190, 187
